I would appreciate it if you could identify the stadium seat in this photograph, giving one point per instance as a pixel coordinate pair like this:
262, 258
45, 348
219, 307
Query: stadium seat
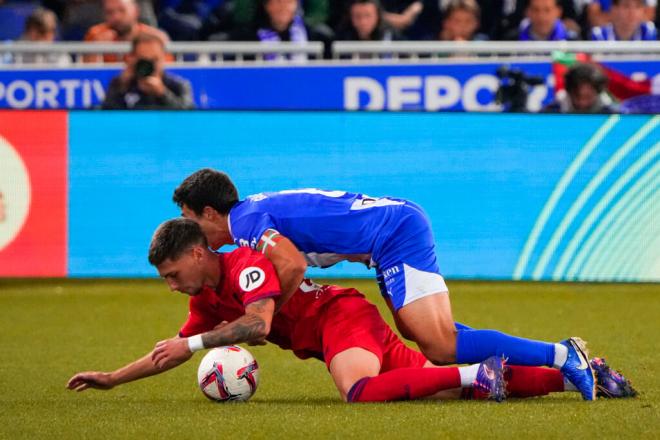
12, 18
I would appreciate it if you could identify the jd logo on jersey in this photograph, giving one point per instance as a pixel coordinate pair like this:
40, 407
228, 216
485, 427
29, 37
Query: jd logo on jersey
251, 278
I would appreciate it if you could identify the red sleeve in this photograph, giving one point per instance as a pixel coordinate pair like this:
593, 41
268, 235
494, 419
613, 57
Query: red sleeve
199, 318
254, 276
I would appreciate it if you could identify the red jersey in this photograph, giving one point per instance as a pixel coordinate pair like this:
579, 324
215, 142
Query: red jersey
247, 276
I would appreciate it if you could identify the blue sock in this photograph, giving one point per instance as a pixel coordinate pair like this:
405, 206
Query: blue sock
460, 326
474, 346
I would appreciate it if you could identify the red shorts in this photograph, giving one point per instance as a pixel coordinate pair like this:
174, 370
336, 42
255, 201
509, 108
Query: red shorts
351, 321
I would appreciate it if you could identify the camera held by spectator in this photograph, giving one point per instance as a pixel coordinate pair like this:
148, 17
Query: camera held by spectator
514, 88
144, 84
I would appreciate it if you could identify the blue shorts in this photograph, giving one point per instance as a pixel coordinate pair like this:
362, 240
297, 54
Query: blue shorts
407, 268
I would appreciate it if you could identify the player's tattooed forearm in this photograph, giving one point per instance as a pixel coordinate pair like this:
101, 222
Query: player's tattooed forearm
259, 306
252, 329
246, 329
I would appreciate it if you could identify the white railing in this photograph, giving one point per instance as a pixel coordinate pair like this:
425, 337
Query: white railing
358, 50
190, 52
209, 53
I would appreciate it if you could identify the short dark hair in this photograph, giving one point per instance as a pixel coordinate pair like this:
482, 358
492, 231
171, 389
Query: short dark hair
641, 2
207, 187
41, 20
470, 6
556, 2
174, 237
585, 73
146, 37
364, 2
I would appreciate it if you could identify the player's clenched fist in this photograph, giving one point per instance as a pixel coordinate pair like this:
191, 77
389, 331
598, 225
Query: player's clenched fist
170, 352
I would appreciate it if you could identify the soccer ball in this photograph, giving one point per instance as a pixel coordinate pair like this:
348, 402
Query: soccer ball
228, 373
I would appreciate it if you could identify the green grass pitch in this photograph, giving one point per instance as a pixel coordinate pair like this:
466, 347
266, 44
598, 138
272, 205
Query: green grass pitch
50, 329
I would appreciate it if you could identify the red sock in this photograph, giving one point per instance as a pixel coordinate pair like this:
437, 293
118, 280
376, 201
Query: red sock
404, 384
525, 382
533, 381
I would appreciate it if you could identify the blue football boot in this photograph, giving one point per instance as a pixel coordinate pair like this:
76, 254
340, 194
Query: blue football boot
577, 368
610, 383
490, 379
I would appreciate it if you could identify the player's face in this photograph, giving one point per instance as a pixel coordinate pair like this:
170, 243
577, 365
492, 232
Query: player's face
185, 274
206, 221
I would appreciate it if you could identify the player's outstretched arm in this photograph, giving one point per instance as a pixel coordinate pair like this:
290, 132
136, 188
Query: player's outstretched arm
289, 264
139, 369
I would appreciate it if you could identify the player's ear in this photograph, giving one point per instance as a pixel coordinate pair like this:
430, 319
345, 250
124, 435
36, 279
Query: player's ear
197, 253
209, 213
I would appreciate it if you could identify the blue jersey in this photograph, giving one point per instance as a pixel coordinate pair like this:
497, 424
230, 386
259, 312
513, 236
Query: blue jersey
326, 226
645, 32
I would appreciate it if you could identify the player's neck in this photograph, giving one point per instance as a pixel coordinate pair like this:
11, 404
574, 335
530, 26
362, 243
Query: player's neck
212, 270
224, 229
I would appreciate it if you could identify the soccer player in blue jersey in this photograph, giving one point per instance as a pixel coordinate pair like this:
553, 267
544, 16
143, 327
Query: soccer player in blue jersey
297, 228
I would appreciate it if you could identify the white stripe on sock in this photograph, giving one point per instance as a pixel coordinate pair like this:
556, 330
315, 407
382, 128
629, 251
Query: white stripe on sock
468, 375
561, 354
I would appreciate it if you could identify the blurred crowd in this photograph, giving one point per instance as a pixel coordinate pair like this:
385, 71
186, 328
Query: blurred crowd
328, 20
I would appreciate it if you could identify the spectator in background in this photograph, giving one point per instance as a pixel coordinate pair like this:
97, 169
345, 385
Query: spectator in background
500, 19
597, 13
398, 14
585, 92
281, 20
543, 22
233, 17
143, 84
77, 16
461, 21
183, 19
628, 23
121, 24
363, 21
41, 27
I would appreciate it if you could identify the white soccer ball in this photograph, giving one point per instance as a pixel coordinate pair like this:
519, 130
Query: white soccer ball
228, 373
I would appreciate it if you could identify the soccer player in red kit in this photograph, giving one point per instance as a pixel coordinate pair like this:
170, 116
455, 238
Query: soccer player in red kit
233, 301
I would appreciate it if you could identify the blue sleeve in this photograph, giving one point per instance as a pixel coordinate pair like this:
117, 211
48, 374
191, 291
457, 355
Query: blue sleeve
248, 229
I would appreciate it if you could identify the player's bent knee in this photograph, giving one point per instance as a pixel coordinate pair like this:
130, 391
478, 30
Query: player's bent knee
440, 352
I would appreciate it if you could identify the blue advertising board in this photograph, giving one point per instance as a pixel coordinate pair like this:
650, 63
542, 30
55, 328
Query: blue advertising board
564, 197
447, 86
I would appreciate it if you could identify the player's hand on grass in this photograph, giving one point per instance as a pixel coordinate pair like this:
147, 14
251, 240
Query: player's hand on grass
171, 352
90, 379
